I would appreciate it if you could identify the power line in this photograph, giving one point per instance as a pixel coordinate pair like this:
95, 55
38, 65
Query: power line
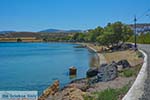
144, 14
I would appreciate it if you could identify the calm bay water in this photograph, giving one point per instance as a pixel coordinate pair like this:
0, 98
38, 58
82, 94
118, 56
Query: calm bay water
34, 66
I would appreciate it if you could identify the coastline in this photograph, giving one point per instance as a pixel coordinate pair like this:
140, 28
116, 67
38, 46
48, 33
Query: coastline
94, 49
86, 89
101, 59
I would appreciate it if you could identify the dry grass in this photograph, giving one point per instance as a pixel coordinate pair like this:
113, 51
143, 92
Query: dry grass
24, 39
117, 85
129, 55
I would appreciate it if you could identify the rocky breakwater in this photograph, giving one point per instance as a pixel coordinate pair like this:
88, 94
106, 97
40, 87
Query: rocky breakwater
106, 72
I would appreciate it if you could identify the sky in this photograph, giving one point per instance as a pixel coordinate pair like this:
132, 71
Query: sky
36, 15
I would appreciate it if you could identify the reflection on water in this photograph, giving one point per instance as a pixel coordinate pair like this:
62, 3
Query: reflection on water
94, 60
72, 76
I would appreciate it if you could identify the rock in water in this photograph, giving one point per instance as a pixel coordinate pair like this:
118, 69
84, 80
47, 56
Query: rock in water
72, 70
92, 72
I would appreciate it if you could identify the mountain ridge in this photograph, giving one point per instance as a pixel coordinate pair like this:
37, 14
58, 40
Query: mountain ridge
60, 31
5, 32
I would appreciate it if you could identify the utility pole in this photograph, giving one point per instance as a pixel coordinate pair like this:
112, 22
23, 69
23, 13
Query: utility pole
135, 45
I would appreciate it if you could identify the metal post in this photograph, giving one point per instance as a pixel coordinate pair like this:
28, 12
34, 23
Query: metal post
135, 32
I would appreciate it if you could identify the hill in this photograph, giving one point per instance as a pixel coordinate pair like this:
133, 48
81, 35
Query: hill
20, 34
59, 31
5, 32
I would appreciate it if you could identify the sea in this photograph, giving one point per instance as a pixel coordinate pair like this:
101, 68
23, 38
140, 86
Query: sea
35, 66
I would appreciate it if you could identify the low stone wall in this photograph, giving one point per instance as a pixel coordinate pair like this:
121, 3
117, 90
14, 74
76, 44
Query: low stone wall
137, 89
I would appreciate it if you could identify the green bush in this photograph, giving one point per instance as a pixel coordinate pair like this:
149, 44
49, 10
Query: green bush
128, 72
142, 38
133, 71
19, 40
89, 98
108, 94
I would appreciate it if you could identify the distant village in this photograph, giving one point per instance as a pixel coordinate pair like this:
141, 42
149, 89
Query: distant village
141, 28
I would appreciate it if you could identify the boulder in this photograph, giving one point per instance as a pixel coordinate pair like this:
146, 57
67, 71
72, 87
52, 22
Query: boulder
119, 67
129, 45
92, 72
124, 47
105, 73
108, 72
124, 63
103, 65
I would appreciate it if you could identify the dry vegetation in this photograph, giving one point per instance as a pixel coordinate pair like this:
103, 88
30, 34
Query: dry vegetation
130, 55
23, 39
117, 88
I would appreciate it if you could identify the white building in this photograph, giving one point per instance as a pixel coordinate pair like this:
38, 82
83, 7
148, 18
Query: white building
141, 28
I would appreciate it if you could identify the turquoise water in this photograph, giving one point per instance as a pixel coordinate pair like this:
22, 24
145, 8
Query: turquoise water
34, 66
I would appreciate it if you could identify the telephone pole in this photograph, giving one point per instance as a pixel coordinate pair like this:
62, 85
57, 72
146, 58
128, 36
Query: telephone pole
135, 45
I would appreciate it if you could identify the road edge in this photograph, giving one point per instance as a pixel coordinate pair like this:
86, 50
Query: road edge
137, 89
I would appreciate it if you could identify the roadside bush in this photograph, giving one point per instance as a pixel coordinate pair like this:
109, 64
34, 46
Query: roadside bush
109, 94
128, 72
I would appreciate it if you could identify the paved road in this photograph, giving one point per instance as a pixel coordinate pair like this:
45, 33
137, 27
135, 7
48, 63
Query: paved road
146, 96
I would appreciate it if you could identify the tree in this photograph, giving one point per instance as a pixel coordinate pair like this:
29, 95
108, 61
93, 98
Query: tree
79, 37
93, 34
115, 34
19, 40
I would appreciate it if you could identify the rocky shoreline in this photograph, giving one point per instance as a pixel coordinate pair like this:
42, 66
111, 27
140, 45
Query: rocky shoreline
98, 79
48, 93
76, 89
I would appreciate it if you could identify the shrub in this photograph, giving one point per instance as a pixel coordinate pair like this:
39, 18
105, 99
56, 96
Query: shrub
128, 72
19, 40
108, 94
